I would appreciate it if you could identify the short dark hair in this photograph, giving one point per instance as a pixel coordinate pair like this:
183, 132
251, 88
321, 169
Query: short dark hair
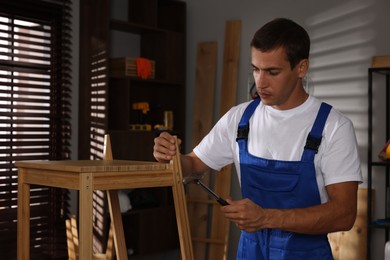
282, 32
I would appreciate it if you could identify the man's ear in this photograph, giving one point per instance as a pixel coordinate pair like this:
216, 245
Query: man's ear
303, 67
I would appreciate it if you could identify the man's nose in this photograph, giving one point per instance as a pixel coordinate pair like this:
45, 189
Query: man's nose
261, 80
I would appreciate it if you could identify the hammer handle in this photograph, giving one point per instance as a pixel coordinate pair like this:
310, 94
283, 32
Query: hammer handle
212, 193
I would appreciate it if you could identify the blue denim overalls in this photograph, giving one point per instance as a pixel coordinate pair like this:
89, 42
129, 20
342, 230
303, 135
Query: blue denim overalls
281, 185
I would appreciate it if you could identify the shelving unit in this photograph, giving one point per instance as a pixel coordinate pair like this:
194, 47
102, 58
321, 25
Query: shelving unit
160, 26
375, 166
152, 29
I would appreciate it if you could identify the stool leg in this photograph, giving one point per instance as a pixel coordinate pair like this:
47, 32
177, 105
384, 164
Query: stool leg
85, 217
116, 223
110, 250
116, 228
180, 202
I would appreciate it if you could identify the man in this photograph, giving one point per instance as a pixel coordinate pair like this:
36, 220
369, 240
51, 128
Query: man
296, 157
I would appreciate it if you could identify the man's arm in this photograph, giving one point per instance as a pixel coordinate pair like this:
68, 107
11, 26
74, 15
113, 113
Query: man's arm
165, 148
338, 214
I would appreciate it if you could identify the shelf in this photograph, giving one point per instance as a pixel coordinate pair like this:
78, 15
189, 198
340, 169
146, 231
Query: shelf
156, 82
387, 163
149, 210
384, 70
380, 223
160, 96
135, 28
121, 145
152, 230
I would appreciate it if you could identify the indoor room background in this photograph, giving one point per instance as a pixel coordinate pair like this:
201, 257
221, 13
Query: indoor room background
345, 35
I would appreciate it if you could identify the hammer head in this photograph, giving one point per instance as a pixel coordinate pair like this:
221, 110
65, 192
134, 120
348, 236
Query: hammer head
193, 178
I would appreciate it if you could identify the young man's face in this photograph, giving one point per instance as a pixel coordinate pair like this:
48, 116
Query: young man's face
277, 84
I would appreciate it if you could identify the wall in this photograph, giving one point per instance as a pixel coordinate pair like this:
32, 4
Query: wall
345, 34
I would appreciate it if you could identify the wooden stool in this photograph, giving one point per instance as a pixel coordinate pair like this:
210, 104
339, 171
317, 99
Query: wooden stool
114, 208
89, 175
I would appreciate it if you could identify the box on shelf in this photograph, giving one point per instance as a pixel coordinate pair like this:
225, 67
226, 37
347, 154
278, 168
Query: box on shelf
380, 61
127, 67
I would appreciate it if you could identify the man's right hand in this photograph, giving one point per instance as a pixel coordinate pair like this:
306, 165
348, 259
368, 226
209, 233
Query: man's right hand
165, 147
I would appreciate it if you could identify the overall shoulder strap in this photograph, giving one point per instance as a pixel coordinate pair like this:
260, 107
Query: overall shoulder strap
243, 125
314, 138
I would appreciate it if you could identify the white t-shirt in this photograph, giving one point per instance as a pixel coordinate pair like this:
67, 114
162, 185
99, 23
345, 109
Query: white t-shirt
281, 135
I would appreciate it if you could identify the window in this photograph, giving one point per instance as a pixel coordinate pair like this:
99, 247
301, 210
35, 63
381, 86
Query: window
34, 117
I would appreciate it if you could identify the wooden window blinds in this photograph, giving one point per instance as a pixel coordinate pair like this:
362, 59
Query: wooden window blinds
35, 112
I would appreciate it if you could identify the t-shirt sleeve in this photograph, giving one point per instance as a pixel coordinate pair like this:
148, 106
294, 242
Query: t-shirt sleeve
216, 148
341, 162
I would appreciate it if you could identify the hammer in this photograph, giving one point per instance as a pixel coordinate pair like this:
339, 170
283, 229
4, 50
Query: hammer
196, 179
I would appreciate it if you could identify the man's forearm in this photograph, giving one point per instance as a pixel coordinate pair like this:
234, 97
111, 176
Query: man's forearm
191, 164
338, 214
319, 219
186, 165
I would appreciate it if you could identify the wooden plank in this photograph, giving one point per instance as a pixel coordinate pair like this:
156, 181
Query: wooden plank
231, 58
206, 66
220, 225
352, 244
